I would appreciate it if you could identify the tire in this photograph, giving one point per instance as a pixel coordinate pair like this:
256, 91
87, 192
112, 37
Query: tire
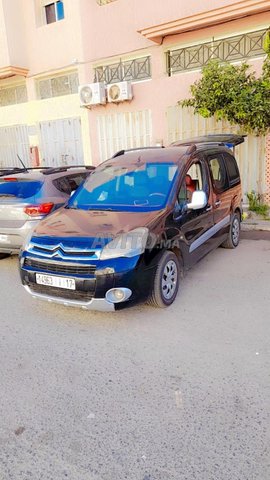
165, 287
234, 233
4, 255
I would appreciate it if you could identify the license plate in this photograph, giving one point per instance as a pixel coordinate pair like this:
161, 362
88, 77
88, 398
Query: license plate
59, 282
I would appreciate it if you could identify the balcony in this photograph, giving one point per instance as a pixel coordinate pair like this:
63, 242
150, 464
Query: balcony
135, 70
240, 47
104, 2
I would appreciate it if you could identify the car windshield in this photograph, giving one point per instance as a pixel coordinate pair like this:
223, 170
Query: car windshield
18, 188
137, 187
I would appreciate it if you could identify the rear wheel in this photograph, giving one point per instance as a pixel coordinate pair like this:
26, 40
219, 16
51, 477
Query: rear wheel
166, 281
4, 255
234, 233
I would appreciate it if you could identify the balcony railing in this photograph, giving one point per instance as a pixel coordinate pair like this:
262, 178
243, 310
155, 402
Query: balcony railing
133, 70
104, 2
231, 49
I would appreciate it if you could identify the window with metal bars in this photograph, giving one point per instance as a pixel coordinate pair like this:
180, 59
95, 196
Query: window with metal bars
57, 86
13, 95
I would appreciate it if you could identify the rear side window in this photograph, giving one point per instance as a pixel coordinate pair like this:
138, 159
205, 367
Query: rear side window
19, 188
232, 169
69, 183
218, 173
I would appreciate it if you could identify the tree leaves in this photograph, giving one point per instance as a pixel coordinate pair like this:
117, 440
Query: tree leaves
233, 93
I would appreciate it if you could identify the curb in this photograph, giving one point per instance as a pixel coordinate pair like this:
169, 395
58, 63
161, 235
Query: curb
247, 226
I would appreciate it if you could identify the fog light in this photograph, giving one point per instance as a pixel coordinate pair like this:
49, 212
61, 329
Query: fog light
117, 295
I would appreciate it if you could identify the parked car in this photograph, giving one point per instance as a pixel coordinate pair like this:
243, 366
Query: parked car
137, 222
28, 195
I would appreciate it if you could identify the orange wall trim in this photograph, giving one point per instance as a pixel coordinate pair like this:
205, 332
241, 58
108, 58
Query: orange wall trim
206, 19
6, 72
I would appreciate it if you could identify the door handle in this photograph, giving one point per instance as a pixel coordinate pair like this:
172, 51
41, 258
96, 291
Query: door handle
217, 203
209, 208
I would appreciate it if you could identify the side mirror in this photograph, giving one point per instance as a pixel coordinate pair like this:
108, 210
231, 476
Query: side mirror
198, 200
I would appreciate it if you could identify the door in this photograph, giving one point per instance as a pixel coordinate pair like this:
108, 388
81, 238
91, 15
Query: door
195, 225
221, 192
123, 130
14, 141
61, 142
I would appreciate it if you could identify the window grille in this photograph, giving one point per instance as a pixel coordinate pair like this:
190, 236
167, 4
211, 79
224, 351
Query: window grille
13, 95
104, 2
57, 86
229, 49
133, 70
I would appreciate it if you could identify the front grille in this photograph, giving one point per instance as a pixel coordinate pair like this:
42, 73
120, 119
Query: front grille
69, 253
59, 267
61, 292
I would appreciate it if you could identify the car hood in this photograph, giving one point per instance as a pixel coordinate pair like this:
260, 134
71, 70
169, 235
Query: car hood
95, 223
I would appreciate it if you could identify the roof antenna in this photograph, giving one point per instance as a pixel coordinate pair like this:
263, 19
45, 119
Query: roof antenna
20, 160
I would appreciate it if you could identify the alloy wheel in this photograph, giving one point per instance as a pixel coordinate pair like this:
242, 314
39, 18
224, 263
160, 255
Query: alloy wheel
169, 279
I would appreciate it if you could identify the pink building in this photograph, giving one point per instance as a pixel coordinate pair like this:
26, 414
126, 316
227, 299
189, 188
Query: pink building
48, 49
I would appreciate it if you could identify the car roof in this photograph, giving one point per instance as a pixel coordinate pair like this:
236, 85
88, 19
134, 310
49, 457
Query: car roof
40, 174
229, 139
148, 155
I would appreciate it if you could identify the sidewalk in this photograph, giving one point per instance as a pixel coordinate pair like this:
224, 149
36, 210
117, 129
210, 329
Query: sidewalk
255, 224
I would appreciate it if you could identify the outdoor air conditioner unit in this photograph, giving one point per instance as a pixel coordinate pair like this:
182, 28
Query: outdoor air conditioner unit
119, 92
92, 94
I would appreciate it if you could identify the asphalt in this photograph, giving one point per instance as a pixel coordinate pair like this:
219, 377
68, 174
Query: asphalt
142, 394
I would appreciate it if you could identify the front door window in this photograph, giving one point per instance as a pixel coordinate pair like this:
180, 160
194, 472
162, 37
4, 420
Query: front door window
195, 179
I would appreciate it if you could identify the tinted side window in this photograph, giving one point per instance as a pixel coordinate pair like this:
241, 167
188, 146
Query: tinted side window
69, 183
74, 181
232, 168
218, 173
62, 185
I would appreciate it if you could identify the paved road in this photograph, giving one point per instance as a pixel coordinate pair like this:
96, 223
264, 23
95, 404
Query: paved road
144, 394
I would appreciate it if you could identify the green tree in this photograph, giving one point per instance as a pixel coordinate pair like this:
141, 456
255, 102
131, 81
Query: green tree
234, 93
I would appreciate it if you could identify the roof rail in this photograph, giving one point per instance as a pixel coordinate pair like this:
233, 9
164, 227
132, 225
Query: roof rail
51, 170
122, 152
219, 144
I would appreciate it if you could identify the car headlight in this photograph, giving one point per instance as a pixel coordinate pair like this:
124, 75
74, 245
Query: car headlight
128, 244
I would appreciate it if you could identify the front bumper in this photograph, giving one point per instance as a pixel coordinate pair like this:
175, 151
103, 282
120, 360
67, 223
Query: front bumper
90, 293
11, 239
99, 304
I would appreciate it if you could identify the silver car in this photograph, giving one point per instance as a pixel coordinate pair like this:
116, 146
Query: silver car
28, 195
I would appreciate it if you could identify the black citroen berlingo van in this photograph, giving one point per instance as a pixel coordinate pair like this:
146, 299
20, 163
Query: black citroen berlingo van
135, 224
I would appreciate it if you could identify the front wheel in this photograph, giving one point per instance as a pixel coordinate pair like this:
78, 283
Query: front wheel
234, 233
166, 281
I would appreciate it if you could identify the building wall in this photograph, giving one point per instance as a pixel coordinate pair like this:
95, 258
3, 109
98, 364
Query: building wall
114, 27
163, 91
89, 36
